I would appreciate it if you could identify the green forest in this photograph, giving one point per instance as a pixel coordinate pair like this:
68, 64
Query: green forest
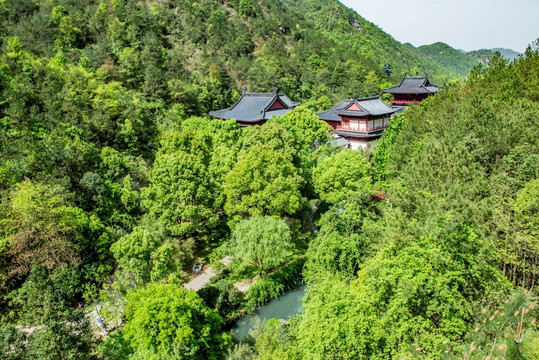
114, 181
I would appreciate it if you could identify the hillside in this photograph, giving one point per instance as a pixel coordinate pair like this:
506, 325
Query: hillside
307, 48
452, 260
114, 182
484, 55
458, 61
447, 57
345, 26
508, 54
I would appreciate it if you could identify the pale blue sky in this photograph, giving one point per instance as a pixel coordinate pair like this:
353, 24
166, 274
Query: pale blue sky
463, 24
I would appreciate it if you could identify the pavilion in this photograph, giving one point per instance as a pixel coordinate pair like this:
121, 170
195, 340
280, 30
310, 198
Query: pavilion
257, 108
412, 89
360, 121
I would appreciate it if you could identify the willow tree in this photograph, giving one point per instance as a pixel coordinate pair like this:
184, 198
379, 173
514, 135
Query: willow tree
263, 242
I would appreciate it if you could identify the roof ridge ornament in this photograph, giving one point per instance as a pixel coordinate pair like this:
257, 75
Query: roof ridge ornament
244, 90
274, 90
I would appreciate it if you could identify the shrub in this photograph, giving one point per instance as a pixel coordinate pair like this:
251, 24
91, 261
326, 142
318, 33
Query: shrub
275, 284
223, 297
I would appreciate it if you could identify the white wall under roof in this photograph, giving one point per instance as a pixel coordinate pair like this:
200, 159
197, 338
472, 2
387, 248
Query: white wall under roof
370, 145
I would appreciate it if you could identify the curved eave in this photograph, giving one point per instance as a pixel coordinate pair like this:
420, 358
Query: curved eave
359, 135
352, 113
231, 118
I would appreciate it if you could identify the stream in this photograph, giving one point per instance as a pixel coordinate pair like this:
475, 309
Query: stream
282, 307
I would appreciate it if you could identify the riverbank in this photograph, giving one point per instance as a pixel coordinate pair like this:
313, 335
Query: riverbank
281, 308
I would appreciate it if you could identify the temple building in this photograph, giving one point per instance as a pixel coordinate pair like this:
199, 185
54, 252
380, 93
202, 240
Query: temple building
412, 89
257, 108
360, 121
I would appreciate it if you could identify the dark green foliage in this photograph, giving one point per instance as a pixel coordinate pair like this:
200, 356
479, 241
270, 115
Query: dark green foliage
57, 328
246, 8
388, 69
223, 297
13, 345
65, 334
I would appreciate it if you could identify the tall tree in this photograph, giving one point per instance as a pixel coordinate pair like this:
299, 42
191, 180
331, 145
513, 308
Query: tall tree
44, 228
303, 123
264, 181
168, 320
263, 242
182, 192
341, 176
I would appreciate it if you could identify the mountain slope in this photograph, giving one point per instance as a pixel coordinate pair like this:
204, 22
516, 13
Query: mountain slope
447, 57
365, 39
197, 53
458, 61
87, 90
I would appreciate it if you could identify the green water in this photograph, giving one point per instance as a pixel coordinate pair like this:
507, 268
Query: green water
281, 308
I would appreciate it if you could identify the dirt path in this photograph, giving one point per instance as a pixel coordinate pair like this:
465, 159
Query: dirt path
201, 280
243, 286
204, 277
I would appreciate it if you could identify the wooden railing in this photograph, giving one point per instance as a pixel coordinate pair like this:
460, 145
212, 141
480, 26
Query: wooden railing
396, 101
356, 128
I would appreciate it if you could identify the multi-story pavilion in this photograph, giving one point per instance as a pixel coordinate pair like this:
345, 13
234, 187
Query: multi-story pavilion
360, 121
412, 89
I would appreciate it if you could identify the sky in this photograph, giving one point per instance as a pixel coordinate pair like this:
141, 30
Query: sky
462, 24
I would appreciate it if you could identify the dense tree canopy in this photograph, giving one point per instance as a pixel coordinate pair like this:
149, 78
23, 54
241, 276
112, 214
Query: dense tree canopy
306, 125
341, 176
181, 191
265, 180
113, 182
164, 319
454, 222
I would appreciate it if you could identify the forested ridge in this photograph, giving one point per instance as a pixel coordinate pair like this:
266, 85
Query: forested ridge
453, 59
114, 181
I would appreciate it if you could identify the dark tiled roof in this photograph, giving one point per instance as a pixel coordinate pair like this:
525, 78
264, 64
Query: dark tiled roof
338, 142
352, 113
359, 135
413, 85
371, 105
331, 115
271, 113
252, 107
285, 99
398, 109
